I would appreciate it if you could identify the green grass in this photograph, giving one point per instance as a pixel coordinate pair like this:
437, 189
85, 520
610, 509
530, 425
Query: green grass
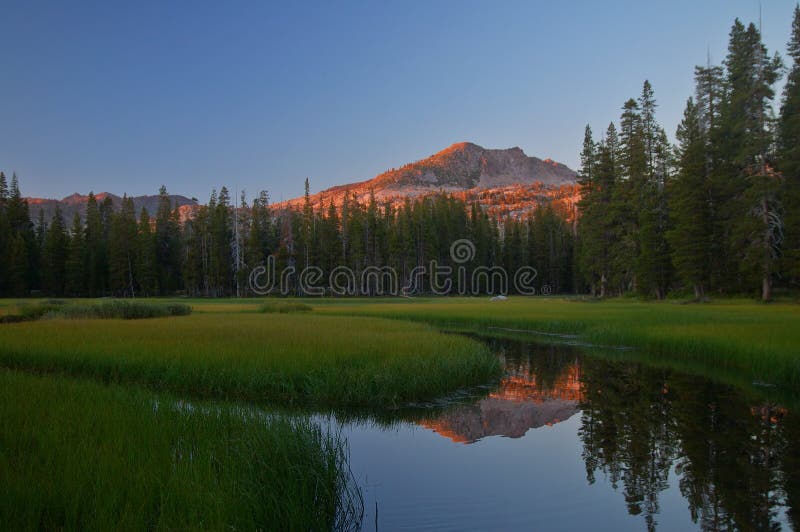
78, 455
287, 359
751, 341
283, 307
114, 309
755, 341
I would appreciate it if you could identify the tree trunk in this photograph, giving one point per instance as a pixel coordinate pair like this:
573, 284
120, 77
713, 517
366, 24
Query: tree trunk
698, 292
130, 276
766, 281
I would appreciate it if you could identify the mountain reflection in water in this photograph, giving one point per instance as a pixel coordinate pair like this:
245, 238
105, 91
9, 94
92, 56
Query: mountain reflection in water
525, 399
734, 457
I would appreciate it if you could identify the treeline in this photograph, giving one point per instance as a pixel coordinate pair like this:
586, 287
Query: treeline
718, 213
211, 250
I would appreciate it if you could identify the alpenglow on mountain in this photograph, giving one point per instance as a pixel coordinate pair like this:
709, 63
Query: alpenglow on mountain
461, 167
506, 182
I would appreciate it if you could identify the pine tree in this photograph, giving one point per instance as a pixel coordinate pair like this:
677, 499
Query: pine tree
17, 209
689, 205
3, 189
588, 159
19, 224
5, 236
710, 94
596, 226
585, 176
75, 267
95, 248
261, 240
41, 229
650, 128
241, 224
789, 162
654, 264
221, 271
331, 240
752, 189
628, 197
18, 267
194, 266
54, 256
123, 250
167, 242
652, 250
307, 230
146, 264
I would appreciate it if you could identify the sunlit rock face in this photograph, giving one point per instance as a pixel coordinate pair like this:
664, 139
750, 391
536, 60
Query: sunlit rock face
520, 404
504, 181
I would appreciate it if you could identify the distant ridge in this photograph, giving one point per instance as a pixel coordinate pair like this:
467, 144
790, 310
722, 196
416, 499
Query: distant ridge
76, 203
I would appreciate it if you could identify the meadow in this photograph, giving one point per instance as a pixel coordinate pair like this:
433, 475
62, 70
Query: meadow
105, 437
373, 357
236, 352
742, 340
79, 455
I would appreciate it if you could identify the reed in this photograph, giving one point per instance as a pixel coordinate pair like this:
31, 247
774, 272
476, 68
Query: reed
78, 455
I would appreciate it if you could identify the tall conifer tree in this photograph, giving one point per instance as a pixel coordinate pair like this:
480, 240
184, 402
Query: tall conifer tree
789, 152
690, 237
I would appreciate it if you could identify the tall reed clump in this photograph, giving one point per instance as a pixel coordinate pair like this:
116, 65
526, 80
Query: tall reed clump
114, 309
120, 309
78, 455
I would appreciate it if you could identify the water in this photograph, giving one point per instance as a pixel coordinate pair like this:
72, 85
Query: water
576, 442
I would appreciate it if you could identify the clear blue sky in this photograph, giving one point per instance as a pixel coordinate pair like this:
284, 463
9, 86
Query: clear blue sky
126, 96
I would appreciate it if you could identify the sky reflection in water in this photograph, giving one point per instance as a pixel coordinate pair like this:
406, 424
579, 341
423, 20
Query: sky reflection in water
573, 442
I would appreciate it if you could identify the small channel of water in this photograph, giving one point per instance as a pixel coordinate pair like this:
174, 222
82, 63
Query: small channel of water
576, 442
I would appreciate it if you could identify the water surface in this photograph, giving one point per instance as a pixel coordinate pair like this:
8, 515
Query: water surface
569, 441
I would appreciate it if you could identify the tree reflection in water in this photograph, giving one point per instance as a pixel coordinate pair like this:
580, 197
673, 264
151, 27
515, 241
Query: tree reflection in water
735, 458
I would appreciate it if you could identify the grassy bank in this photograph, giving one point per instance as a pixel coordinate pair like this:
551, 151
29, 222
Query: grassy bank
78, 455
302, 359
760, 342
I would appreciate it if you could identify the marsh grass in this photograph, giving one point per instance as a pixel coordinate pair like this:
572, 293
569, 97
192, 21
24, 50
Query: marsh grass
287, 359
78, 455
756, 341
284, 307
113, 309
119, 309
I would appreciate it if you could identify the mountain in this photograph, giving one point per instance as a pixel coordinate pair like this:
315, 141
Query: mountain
521, 403
505, 181
498, 417
77, 203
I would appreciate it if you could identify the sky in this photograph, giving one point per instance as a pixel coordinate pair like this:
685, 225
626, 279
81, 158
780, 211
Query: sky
126, 96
